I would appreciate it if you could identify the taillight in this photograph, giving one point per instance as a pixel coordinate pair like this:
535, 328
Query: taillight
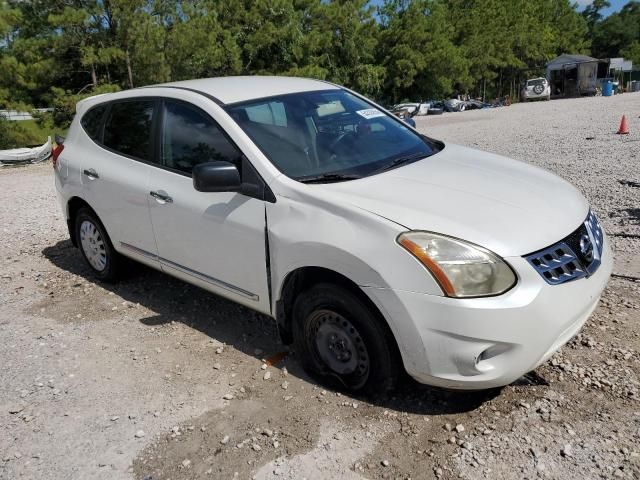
55, 153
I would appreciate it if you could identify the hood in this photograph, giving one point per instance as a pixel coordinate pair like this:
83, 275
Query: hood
506, 206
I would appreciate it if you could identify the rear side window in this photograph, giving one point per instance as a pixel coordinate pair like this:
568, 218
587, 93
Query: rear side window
190, 137
127, 129
92, 122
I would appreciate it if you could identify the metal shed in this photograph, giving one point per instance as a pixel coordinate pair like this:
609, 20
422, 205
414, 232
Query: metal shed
575, 75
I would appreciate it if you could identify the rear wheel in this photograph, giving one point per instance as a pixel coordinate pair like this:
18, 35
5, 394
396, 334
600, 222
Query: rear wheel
342, 342
96, 246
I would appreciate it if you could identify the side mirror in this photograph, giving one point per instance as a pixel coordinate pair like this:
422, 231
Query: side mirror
216, 176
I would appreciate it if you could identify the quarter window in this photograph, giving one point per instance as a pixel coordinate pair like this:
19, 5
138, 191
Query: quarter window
128, 128
92, 122
190, 137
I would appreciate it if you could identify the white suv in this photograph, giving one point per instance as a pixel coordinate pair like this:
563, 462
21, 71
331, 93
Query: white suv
373, 247
536, 89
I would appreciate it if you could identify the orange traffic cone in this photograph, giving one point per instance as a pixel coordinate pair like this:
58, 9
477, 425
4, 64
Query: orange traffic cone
624, 126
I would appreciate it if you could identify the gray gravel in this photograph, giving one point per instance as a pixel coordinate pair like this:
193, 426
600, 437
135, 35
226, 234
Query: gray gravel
152, 377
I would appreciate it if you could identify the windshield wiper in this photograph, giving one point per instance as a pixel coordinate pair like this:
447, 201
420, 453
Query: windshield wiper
328, 178
400, 161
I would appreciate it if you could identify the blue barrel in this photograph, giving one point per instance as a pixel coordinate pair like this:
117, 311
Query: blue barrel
607, 89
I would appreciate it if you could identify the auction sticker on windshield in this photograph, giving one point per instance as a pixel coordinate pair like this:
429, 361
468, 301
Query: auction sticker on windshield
370, 113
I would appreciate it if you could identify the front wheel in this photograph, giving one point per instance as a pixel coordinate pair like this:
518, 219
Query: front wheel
96, 246
342, 342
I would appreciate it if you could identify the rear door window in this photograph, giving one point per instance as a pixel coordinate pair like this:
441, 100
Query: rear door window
190, 137
127, 129
92, 122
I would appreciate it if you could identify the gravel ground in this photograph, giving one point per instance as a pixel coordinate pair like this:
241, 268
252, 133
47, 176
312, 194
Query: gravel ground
154, 379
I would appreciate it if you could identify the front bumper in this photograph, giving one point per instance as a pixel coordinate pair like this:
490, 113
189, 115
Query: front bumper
489, 342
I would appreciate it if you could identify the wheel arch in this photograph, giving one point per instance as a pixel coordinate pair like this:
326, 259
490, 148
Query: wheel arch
73, 206
301, 279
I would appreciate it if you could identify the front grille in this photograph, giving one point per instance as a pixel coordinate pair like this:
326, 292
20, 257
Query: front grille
598, 236
575, 256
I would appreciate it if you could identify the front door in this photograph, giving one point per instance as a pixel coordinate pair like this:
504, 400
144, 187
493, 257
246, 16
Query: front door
216, 240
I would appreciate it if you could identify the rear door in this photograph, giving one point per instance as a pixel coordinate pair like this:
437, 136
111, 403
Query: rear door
115, 176
215, 239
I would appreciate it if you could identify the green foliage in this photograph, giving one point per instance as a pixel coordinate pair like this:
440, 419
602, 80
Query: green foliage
200, 45
15, 135
617, 32
27, 132
55, 52
64, 105
632, 52
38, 131
592, 14
419, 50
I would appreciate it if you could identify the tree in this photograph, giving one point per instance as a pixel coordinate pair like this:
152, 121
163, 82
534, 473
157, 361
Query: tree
403, 49
617, 32
216, 51
632, 52
83, 34
592, 12
343, 40
418, 52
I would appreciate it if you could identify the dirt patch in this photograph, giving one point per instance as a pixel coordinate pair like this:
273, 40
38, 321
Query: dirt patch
135, 380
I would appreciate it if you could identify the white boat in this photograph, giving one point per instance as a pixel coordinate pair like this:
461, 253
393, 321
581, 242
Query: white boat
19, 156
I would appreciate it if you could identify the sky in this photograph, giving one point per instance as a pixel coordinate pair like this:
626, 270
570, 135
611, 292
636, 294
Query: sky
616, 5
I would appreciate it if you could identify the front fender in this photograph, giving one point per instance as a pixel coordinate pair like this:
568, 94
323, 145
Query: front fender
355, 243
352, 242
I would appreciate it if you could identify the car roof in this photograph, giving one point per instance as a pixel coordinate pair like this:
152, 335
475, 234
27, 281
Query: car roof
228, 90
223, 90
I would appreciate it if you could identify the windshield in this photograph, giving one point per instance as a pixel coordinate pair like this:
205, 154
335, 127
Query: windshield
330, 135
537, 81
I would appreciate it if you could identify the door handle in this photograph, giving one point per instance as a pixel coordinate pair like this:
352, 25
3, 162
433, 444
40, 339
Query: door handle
91, 174
161, 198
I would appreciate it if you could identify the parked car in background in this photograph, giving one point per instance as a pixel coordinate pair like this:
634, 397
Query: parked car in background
535, 89
372, 246
406, 116
413, 108
455, 105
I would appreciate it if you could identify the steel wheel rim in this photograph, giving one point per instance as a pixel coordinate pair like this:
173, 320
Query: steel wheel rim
339, 345
93, 245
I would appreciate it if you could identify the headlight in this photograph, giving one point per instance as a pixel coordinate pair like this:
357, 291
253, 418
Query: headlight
462, 269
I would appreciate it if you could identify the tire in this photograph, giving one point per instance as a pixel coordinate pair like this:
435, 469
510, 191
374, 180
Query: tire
96, 246
342, 343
